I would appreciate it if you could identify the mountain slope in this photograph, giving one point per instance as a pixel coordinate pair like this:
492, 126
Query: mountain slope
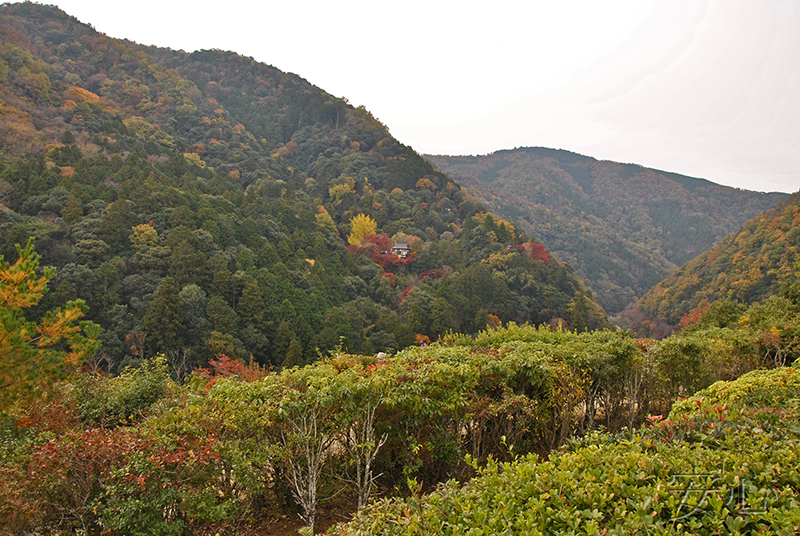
202, 203
748, 265
622, 227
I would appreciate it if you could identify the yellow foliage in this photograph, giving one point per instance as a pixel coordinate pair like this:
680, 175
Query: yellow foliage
194, 158
324, 220
360, 226
498, 221
425, 183
143, 235
79, 94
339, 191
29, 362
499, 260
140, 126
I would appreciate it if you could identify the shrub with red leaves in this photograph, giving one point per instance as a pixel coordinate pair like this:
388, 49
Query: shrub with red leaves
536, 252
433, 274
225, 367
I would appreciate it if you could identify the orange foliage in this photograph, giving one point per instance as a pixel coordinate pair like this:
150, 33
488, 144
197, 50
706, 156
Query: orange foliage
225, 367
82, 95
692, 317
422, 340
289, 149
30, 360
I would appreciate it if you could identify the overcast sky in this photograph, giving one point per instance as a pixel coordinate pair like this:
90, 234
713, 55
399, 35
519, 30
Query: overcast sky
707, 88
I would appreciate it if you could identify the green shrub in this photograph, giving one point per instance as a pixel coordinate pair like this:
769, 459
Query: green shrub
124, 398
607, 485
759, 388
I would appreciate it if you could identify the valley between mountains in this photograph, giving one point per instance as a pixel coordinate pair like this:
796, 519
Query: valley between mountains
233, 303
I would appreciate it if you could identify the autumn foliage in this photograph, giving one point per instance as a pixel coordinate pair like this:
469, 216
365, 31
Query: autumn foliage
361, 226
223, 366
747, 266
536, 252
377, 247
30, 357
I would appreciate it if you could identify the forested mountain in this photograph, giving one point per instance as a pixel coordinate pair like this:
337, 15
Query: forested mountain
203, 204
622, 227
749, 265
213, 222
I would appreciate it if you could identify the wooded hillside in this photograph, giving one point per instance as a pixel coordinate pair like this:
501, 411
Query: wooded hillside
748, 266
202, 203
622, 227
211, 223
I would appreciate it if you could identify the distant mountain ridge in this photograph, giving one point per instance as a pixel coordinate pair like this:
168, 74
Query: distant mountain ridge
622, 227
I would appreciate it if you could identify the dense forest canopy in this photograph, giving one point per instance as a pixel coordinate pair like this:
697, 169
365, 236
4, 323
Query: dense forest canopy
200, 204
301, 320
622, 227
748, 266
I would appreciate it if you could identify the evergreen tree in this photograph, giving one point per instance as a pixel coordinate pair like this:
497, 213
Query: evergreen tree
417, 319
194, 303
256, 343
72, 211
221, 285
164, 318
578, 313
116, 225
31, 361
252, 311
441, 317
187, 264
294, 355
283, 340
481, 321
222, 316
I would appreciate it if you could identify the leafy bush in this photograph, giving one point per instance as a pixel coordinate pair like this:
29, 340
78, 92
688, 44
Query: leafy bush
124, 398
756, 389
612, 485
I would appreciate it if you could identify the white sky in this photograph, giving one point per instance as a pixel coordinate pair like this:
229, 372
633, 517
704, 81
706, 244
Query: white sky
707, 88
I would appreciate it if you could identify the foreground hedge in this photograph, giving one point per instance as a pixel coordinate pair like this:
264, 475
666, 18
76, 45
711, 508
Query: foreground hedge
721, 469
758, 388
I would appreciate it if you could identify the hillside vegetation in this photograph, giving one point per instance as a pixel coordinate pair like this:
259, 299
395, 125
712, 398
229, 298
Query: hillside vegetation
238, 445
203, 204
231, 302
747, 266
622, 227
